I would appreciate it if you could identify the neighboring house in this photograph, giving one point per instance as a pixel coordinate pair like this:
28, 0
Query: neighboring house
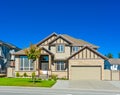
112, 64
5, 55
66, 57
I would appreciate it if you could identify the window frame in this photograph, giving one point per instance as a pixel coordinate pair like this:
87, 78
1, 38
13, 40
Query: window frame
60, 48
75, 49
22, 61
61, 65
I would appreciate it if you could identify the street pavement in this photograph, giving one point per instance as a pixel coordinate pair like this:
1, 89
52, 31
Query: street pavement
50, 91
67, 87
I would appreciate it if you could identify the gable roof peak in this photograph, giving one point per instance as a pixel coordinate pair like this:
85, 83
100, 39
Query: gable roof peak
47, 38
54, 33
93, 50
61, 36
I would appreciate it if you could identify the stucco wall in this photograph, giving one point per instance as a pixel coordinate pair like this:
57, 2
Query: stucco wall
21, 73
107, 75
115, 75
10, 72
17, 61
63, 55
61, 74
112, 75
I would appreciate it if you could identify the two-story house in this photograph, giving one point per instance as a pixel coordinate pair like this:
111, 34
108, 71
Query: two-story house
64, 56
5, 55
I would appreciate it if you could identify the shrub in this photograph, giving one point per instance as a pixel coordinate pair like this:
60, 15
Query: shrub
17, 74
40, 79
49, 79
25, 74
54, 77
33, 77
21, 76
64, 78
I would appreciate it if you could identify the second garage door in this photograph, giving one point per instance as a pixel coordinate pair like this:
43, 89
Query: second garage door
85, 73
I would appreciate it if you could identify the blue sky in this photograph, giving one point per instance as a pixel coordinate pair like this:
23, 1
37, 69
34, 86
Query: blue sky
96, 21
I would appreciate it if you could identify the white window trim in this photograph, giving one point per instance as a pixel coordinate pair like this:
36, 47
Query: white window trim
23, 59
61, 50
75, 48
60, 65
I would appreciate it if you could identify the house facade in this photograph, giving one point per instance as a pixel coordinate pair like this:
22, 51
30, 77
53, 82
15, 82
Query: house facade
64, 56
112, 64
5, 55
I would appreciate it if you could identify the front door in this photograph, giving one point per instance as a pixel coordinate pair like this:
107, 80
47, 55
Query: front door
44, 64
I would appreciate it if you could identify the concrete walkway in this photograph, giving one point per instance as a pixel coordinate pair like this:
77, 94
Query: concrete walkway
61, 84
115, 83
89, 85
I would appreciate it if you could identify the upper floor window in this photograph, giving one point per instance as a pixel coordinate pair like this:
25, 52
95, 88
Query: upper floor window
60, 48
25, 63
75, 48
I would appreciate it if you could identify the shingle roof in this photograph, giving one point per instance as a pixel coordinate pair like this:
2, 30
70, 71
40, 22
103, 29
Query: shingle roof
114, 61
21, 52
78, 42
73, 41
9, 45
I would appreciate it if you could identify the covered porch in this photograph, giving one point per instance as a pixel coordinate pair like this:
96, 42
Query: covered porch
44, 63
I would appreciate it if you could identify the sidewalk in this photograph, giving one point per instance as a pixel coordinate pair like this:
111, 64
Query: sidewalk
61, 84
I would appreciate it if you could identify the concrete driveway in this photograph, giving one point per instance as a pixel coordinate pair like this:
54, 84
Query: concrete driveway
89, 85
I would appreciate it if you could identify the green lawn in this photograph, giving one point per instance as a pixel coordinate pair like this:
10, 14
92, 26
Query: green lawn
25, 82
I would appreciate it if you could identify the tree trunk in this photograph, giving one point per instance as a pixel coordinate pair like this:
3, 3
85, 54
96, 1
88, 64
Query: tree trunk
38, 68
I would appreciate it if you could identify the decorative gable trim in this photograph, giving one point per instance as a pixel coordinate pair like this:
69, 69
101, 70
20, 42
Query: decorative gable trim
60, 37
53, 34
47, 51
92, 50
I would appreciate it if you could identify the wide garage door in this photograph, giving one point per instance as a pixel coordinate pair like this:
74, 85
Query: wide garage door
85, 73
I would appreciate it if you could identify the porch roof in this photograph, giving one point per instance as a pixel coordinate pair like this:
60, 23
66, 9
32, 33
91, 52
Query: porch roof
21, 52
60, 59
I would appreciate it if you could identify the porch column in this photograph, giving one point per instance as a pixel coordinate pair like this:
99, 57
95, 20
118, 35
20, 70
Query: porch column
49, 62
37, 64
36, 68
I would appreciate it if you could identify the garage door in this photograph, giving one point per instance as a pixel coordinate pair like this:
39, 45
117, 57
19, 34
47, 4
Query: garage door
85, 73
